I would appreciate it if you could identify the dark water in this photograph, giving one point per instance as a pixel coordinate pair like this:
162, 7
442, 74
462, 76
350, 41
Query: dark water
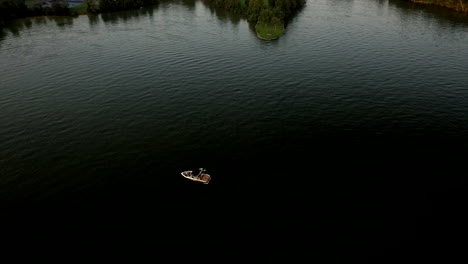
119, 104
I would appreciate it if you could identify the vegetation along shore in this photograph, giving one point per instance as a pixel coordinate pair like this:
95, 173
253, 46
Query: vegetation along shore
269, 16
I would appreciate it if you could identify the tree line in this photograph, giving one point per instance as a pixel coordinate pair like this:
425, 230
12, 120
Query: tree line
12, 9
265, 11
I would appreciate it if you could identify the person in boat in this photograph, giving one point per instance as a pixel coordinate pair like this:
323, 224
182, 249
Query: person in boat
195, 173
199, 173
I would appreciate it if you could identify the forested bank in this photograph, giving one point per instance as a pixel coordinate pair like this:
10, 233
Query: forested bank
269, 15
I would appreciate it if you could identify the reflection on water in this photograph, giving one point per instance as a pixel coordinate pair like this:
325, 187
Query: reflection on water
440, 22
40, 20
381, 3
190, 4
443, 16
93, 20
446, 19
2, 35
223, 15
137, 14
28, 23
16, 26
346, 5
63, 22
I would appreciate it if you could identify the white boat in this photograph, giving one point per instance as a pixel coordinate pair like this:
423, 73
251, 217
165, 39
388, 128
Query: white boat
200, 177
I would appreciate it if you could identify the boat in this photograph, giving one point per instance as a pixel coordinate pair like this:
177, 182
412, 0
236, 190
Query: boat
200, 177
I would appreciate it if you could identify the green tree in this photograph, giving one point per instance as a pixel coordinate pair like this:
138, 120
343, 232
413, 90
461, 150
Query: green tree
265, 16
276, 21
59, 8
11, 9
92, 6
254, 9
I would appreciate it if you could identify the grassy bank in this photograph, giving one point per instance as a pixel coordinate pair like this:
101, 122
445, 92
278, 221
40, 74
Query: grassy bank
269, 31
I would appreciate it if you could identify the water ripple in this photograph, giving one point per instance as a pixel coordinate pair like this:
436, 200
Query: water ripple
130, 95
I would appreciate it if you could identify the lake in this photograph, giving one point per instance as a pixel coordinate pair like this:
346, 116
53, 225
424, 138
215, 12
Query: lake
121, 103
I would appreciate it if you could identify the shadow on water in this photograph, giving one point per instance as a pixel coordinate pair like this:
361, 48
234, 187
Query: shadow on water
2, 35
16, 26
223, 15
340, 4
190, 4
293, 16
444, 17
40, 20
93, 20
381, 3
124, 16
62, 22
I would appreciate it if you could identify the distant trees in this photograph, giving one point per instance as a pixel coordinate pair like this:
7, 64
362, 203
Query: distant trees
260, 10
267, 11
58, 8
11, 9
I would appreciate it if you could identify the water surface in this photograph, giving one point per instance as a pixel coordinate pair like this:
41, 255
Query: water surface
121, 103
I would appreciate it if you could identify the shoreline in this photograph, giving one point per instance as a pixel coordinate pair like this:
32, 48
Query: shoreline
269, 30
266, 38
459, 7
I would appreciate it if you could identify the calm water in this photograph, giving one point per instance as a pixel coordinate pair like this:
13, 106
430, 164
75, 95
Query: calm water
123, 102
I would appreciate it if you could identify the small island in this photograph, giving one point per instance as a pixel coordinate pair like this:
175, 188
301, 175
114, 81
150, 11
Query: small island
268, 15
